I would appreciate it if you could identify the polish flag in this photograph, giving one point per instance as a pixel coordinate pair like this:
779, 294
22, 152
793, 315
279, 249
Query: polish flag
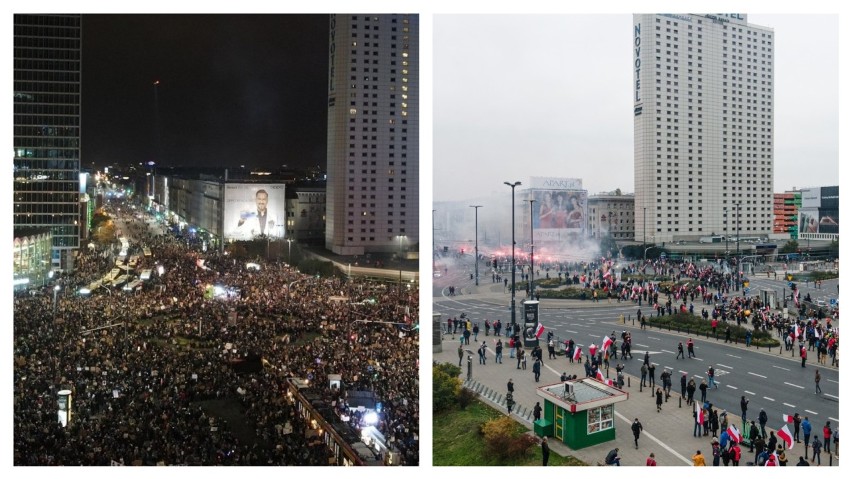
578, 353
788, 418
796, 331
539, 330
607, 341
785, 435
734, 433
610, 382
593, 349
699, 414
599, 376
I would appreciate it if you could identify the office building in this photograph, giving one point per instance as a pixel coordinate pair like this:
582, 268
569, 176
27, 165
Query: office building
372, 150
612, 214
46, 185
703, 126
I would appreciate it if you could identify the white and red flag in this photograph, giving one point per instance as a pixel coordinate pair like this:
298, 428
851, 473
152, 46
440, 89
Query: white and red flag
735, 433
539, 330
699, 414
578, 353
784, 434
599, 376
788, 418
607, 341
593, 349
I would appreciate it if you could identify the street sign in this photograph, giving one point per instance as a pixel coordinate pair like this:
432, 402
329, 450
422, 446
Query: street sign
833, 301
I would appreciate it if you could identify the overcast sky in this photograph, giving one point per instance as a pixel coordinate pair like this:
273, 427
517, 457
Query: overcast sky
550, 95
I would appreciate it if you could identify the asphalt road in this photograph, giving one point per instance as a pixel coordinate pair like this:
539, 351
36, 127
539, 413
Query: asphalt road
772, 381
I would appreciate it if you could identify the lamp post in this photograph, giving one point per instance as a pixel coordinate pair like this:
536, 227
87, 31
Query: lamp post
725, 210
532, 254
288, 251
55, 292
476, 243
513, 185
400, 261
644, 230
738, 248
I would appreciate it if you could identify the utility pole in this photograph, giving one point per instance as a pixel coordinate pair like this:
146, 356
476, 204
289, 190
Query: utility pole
476, 247
513, 185
532, 254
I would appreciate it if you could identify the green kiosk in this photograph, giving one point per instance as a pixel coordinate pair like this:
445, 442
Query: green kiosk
580, 413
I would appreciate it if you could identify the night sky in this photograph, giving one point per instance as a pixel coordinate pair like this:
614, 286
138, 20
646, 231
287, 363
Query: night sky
234, 89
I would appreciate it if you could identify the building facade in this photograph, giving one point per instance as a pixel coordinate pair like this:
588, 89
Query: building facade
612, 215
703, 125
372, 148
46, 185
786, 213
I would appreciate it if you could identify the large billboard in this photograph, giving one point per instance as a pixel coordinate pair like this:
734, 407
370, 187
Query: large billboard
820, 210
558, 214
254, 210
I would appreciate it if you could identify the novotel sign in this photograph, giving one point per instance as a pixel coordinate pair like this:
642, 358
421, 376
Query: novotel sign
637, 60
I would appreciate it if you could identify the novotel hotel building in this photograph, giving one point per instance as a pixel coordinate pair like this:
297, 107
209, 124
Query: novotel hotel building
703, 126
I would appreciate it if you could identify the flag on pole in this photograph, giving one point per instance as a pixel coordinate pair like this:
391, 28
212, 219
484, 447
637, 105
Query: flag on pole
578, 353
592, 349
599, 376
785, 435
699, 414
734, 433
539, 330
796, 331
788, 418
607, 341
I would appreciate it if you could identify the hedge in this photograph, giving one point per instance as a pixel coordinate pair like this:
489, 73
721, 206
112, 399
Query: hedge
692, 324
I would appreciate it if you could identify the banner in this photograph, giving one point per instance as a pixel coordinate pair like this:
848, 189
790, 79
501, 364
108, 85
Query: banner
557, 214
252, 210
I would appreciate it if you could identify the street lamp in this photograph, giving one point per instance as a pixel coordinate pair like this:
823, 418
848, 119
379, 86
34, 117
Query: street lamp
531, 280
513, 185
400, 261
288, 250
476, 246
725, 210
738, 248
55, 292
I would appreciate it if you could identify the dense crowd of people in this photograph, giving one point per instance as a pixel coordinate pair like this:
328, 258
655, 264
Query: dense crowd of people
143, 384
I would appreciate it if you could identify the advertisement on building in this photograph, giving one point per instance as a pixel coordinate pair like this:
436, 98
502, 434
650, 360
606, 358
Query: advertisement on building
254, 210
820, 210
558, 214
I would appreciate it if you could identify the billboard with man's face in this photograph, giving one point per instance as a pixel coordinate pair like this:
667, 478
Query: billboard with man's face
254, 210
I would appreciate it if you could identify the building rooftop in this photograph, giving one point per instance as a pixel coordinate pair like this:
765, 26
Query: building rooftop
582, 394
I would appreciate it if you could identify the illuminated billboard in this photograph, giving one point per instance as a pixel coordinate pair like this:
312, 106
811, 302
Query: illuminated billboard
254, 210
820, 211
558, 214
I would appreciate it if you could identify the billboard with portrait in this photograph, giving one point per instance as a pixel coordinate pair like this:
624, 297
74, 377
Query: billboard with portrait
254, 210
558, 214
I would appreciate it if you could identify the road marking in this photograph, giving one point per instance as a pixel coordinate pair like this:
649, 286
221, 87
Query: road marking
572, 332
651, 437
829, 395
789, 405
758, 375
731, 355
593, 335
667, 351
811, 412
682, 371
749, 392
779, 367
729, 386
829, 380
794, 385
642, 345
723, 366
655, 339
768, 399
699, 359
833, 419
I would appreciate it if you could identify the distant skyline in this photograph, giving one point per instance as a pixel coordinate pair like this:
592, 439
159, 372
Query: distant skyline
554, 99
234, 89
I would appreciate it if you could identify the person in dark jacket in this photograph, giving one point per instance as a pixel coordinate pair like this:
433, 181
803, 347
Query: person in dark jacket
637, 429
802, 462
545, 451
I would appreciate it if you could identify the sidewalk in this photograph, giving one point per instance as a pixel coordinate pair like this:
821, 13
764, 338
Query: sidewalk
667, 434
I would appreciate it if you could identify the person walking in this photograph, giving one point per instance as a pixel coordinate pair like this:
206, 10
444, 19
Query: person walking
816, 446
804, 353
537, 411
461, 354
637, 429
659, 395
753, 434
716, 451
690, 348
651, 381
482, 351
545, 451
680, 351
651, 461
711, 377
698, 459
644, 371
520, 356
647, 359
762, 418
744, 406
797, 425
498, 358
510, 386
817, 377
537, 369
690, 391
826, 437
683, 386
551, 350
703, 388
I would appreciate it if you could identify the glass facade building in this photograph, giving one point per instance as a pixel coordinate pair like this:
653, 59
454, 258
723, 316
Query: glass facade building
47, 78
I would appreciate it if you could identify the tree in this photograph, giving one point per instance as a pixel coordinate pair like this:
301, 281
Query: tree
792, 246
445, 386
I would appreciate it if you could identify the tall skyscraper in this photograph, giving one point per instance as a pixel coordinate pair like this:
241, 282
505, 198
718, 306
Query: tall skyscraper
47, 129
703, 126
372, 196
